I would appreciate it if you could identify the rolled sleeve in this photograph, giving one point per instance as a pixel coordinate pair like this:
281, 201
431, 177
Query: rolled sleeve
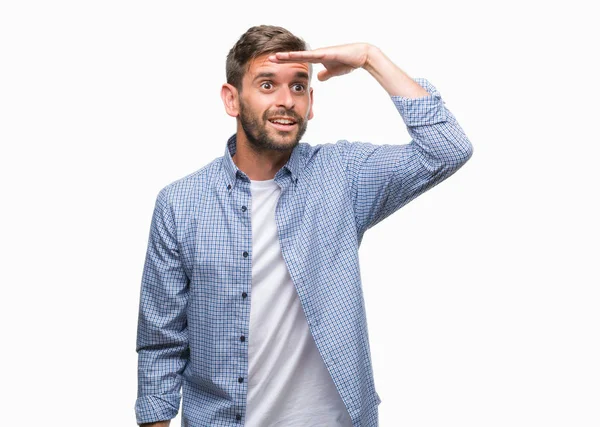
423, 111
149, 409
383, 178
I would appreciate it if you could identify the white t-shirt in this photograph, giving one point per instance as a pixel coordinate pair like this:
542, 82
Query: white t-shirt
288, 382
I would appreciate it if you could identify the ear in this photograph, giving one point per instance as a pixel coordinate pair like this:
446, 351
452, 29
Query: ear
310, 112
229, 95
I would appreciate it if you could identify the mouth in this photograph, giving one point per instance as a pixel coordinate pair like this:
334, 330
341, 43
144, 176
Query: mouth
283, 125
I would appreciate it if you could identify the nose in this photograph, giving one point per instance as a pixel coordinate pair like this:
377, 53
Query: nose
285, 98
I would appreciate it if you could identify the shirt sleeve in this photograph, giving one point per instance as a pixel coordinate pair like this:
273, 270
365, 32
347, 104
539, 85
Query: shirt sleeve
162, 340
383, 178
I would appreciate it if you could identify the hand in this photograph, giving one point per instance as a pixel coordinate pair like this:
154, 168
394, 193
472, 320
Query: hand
338, 60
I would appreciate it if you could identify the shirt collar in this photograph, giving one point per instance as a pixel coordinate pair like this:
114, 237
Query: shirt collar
294, 163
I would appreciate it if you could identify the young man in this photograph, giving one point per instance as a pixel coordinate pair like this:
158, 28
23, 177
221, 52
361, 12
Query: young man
251, 298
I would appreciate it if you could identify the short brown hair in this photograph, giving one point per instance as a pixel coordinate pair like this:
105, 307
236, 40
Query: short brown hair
257, 41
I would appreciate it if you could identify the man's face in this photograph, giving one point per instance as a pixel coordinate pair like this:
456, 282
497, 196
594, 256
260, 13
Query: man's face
275, 92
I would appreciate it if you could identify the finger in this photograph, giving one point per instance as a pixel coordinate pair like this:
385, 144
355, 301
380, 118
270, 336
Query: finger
324, 75
298, 56
303, 54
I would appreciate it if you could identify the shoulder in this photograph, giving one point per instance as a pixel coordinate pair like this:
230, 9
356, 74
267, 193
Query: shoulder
330, 151
188, 188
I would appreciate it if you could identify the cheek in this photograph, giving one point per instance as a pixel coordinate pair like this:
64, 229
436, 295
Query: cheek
308, 113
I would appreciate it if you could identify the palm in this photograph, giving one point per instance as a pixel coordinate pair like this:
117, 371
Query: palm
335, 68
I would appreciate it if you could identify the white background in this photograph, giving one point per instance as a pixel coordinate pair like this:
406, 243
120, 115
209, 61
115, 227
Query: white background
482, 295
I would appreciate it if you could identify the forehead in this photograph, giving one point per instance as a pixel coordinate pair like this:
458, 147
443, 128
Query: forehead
261, 65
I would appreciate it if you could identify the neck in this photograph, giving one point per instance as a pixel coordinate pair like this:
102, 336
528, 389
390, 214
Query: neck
259, 165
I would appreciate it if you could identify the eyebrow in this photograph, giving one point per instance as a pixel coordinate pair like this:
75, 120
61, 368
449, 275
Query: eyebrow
298, 75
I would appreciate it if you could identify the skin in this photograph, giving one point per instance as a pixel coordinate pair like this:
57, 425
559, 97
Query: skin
261, 149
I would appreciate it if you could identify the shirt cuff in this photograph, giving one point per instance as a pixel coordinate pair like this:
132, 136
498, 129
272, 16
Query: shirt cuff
153, 408
426, 110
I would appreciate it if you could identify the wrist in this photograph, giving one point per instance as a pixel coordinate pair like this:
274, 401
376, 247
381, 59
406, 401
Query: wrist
391, 77
373, 56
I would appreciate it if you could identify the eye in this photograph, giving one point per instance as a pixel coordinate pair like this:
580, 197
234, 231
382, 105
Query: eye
265, 83
302, 87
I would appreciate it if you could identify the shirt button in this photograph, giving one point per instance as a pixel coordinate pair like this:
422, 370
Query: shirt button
240, 380
242, 338
245, 254
244, 294
244, 208
238, 417
229, 187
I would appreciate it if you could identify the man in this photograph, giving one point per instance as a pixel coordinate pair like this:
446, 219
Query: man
251, 298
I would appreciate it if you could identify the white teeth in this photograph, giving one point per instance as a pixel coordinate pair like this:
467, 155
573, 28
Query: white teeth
282, 122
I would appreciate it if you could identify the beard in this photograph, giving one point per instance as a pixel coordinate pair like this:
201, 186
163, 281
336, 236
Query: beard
263, 139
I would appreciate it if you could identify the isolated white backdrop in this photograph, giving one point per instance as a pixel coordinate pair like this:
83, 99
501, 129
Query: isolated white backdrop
481, 295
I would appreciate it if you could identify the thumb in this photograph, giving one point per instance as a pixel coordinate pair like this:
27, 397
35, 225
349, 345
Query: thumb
324, 75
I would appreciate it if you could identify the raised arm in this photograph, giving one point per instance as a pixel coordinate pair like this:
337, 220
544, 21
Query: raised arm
383, 178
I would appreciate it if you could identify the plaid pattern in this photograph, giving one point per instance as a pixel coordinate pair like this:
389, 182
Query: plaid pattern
196, 287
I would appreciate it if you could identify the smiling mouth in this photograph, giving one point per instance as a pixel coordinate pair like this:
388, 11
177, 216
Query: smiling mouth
286, 127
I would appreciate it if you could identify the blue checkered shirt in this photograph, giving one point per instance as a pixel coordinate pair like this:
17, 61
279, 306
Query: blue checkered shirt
196, 291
